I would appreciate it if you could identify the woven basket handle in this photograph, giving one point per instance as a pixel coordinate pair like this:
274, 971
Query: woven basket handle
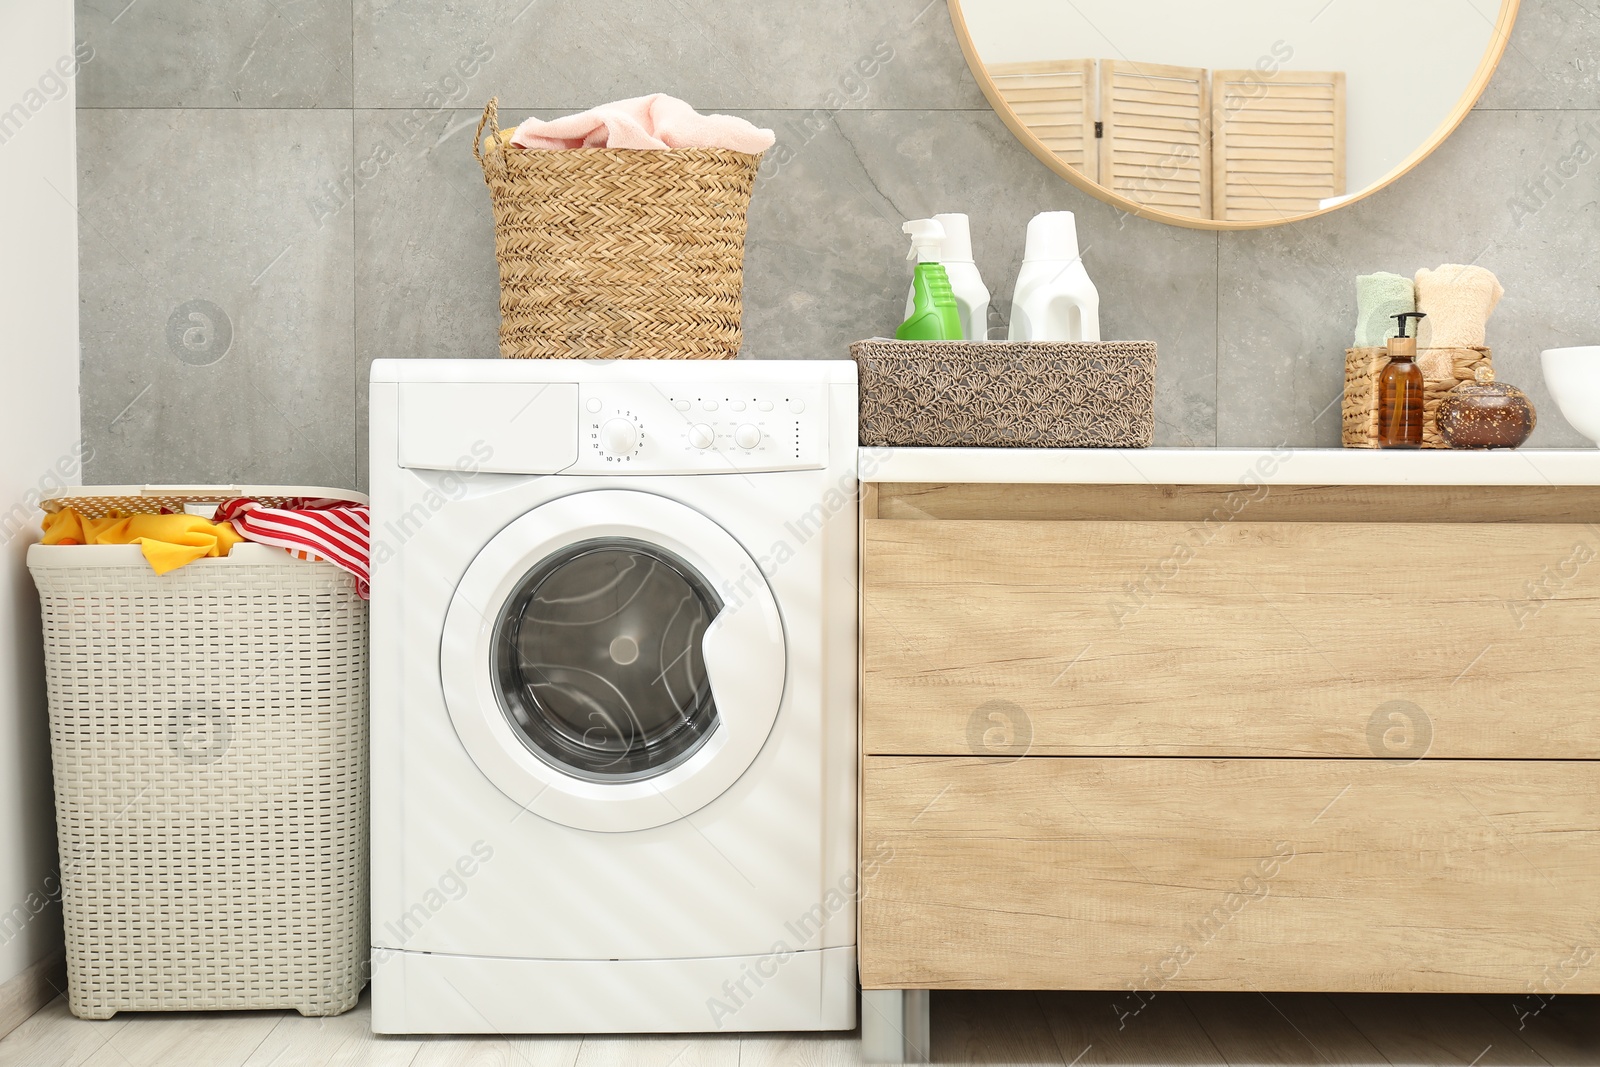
491, 119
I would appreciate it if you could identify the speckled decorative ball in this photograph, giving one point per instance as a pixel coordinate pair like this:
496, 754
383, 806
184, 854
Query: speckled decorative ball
1485, 414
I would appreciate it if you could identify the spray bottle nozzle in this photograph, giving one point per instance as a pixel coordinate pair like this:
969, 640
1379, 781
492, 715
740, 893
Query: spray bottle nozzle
927, 239
1404, 315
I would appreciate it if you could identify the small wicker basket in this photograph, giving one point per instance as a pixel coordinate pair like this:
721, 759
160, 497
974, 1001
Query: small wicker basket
1007, 394
208, 732
1361, 369
617, 253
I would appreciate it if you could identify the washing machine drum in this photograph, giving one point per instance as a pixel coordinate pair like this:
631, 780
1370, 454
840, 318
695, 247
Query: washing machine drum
597, 659
595, 673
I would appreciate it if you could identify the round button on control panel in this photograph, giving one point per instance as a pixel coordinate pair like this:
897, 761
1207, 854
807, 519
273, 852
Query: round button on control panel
702, 436
747, 436
619, 437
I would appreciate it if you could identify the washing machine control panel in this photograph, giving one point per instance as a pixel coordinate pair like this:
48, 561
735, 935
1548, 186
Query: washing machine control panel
637, 428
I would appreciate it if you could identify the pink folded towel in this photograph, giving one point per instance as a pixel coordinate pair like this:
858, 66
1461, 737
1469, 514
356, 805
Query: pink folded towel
654, 121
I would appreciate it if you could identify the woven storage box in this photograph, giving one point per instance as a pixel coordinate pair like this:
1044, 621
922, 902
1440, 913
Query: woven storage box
208, 732
1361, 369
617, 253
1007, 393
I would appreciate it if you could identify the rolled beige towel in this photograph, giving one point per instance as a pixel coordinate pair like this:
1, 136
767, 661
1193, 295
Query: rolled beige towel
1458, 301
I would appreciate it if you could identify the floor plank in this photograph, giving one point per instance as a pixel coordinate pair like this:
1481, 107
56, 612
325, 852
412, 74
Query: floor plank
371, 1050
1425, 1028
52, 1037
985, 1027
1124, 1028
1565, 1030
335, 1041
1281, 1030
162, 1039
801, 1050
664, 1051
498, 1052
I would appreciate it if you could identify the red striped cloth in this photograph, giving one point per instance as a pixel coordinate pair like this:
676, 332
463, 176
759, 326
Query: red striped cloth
336, 531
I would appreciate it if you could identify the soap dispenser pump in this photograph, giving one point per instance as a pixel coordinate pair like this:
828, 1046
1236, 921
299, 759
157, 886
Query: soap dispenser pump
1054, 298
1400, 387
933, 315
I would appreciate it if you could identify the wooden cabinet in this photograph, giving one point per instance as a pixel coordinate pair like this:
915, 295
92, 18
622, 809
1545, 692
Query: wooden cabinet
1154, 737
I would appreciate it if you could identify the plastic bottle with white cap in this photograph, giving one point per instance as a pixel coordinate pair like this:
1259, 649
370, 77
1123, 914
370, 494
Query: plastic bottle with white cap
972, 296
1054, 298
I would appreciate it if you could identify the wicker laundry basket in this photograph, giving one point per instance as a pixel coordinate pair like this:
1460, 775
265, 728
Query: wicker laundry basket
1007, 394
208, 732
617, 253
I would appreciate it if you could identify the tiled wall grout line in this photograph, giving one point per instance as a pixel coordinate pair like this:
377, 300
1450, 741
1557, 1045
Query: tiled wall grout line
357, 384
1216, 349
468, 105
357, 373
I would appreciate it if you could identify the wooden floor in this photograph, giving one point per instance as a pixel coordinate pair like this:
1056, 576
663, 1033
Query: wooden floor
1013, 1028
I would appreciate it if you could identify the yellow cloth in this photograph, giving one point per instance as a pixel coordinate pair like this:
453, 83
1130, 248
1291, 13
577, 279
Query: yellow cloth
167, 541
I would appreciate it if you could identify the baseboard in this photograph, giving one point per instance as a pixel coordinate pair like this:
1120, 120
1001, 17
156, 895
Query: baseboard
32, 990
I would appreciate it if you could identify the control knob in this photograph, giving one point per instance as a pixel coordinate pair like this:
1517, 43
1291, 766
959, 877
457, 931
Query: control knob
702, 436
747, 436
619, 437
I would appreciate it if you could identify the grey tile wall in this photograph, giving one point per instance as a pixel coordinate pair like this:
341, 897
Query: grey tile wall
276, 193
217, 310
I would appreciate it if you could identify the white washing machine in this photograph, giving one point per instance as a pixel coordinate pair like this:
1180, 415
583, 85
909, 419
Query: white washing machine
613, 696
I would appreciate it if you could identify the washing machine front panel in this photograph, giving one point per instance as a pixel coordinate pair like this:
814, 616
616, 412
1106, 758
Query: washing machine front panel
613, 661
725, 880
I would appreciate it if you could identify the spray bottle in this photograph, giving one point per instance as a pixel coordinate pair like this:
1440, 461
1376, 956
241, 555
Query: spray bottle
972, 296
933, 316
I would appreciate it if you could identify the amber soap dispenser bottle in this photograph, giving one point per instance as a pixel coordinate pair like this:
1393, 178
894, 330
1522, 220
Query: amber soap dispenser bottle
1400, 392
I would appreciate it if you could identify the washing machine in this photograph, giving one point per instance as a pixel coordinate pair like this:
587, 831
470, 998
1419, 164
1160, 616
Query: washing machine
613, 696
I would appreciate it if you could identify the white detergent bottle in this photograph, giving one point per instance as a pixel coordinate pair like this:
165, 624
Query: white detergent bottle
1054, 298
972, 296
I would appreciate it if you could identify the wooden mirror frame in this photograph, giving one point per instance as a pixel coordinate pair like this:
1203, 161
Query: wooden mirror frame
1498, 41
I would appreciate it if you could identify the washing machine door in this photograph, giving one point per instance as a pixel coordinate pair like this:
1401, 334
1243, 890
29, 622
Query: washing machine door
613, 660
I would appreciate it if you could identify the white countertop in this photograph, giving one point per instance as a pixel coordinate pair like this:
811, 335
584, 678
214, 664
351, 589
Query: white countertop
1233, 466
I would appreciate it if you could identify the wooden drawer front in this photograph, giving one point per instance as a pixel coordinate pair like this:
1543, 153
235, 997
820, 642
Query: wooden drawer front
1357, 875
1235, 639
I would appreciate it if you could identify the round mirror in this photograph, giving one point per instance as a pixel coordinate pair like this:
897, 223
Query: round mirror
1236, 114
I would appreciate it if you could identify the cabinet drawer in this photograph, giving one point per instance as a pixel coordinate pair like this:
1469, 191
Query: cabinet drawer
1459, 640
1356, 875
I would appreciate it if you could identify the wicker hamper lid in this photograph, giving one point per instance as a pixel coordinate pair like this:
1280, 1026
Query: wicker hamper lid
96, 501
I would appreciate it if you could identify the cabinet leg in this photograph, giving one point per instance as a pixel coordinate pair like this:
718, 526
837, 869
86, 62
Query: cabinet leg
894, 1026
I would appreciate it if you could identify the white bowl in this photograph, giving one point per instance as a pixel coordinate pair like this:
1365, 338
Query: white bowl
1573, 377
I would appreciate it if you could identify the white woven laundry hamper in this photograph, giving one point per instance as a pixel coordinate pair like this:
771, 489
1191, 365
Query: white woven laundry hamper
208, 730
